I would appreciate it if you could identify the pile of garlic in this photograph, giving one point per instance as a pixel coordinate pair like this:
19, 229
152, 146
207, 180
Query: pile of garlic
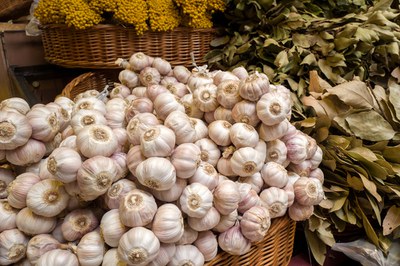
171, 167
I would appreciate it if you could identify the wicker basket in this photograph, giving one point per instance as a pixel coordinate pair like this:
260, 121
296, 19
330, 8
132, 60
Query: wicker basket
12, 9
101, 45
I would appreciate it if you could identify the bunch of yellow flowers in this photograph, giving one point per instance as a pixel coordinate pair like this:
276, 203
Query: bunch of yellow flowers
157, 15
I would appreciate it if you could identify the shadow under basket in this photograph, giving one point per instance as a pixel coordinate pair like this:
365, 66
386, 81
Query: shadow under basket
100, 45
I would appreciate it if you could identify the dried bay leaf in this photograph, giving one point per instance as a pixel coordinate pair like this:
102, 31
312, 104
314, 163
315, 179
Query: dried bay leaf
365, 152
281, 59
317, 247
369, 125
394, 96
371, 187
396, 74
369, 230
354, 93
355, 183
375, 208
338, 204
366, 35
220, 41
391, 220
392, 154
309, 60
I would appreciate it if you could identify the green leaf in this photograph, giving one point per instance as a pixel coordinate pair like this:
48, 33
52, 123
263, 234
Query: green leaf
219, 41
366, 35
369, 125
318, 248
354, 93
391, 220
371, 187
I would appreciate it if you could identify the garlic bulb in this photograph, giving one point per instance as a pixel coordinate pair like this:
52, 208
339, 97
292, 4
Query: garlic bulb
196, 200
207, 244
15, 130
67, 132
77, 223
63, 115
274, 175
277, 131
33, 224
139, 61
65, 103
157, 140
168, 223
137, 106
15, 104
226, 221
273, 108
198, 79
44, 123
12, 246
137, 208
187, 255
23, 262
47, 198
111, 227
57, 232
224, 167
316, 159
308, 191
139, 246
298, 212
84, 118
297, 148
302, 169
209, 117
44, 172
240, 72
52, 144
176, 88
8, 216
318, 174
91, 249
186, 158
133, 158
210, 152
120, 91
69, 142
255, 223
254, 86
96, 140
200, 128
205, 97
140, 92
183, 127
150, 174
190, 108
40, 244
91, 103
245, 112
18, 189
122, 138
31, 152
181, 73
206, 175
228, 93
128, 78
171, 194
246, 161
149, 76
162, 65
219, 131
165, 254
233, 242
255, 181
189, 235
276, 200
166, 103
64, 163
139, 124
111, 258
222, 113
95, 176
6, 177
207, 222
243, 135
248, 200
117, 191
154, 90
58, 257
276, 151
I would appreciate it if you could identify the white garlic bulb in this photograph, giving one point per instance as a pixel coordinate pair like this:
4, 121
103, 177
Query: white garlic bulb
245, 112
219, 131
47, 198
171, 194
226, 221
139, 92
276, 151
149, 76
243, 135
302, 169
150, 174
207, 222
40, 244
111, 258
255, 223
15, 104
277, 131
44, 123
181, 73
8, 216
199, 78
246, 161
186, 158
31, 152
276, 200
233, 242
308, 191
187, 255
117, 191
210, 152
248, 200
240, 72
183, 127
57, 232
228, 93
297, 148
206, 175
137, 208
318, 174
52, 144
165, 254
316, 159
200, 128
255, 181
298, 212
156, 141
196, 200
15, 130
139, 60
165, 104
84, 117
137, 106
111, 227
222, 113
6, 177
205, 97
168, 223
221, 76
190, 108
44, 172
224, 167
96, 140
119, 91
18, 189
207, 244
273, 108
91, 249
139, 124
77, 223
162, 65
189, 235
139, 246
128, 78
58, 257
64, 163
254, 86
154, 90
12, 246
274, 175
33, 224
133, 158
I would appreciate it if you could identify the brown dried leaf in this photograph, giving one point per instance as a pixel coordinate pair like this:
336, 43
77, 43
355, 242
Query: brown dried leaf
394, 96
391, 221
364, 152
355, 183
371, 187
354, 93
396, 73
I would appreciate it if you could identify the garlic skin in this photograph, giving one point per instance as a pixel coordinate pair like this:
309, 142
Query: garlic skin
176, 88
111, 227
200, 128
207, 222
44, 123
91, 249
18, 189
31, 152
206, 175
137, 106
228, 93
47, 198
318, 174
96, 140
243, 135
183, 127
226, 222
77, 223
221, 76
128, 78
222, 113
210, 152
65, 103
276, 200
233, 242
205, 97
150, 174
57, 233
254, 86
186, 158
117, 191
58, 257
44, 173
168, 223
255, 223
198, 79
255, 181
139, 246
277, 131
140, 92
54, 143
189, 235
276, 151
149, 76
298, 212
246, 161
15, 130
133, 158
209, 117
297, 148
308, 191
154, 90
171, 194
33, 224
165, 254
245, 112
207, 244
8, 216
158, 141
90, 103
181, 73
226, 197
249, 200
187, 255
274, 175
139, 61
316, 159
165, 104
162, 65
137, 208
190, 108
302, 169
12, 246
196, 200
40, 244
15, 104
119, 91
64, 163
219, 132
6, 177
273, 108
240, 72
111, 258
139, 124
224, 167
84, 117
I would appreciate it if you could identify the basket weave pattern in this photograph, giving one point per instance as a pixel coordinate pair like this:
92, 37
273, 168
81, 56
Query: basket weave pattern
99, 46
